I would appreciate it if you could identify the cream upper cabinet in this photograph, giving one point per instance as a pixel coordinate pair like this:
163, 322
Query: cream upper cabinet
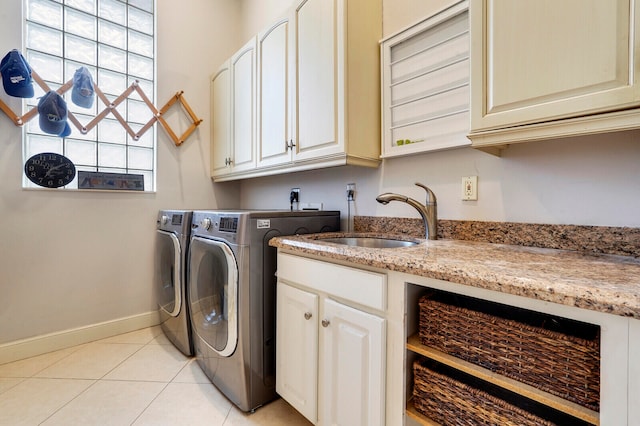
220, 120
233, 148
243, 107
543, 68
337, 102
316, 91
275, 146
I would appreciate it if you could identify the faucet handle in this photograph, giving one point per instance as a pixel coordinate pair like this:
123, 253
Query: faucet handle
431, 197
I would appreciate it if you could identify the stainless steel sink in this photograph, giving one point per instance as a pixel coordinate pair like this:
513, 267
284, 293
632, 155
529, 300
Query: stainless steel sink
370, 242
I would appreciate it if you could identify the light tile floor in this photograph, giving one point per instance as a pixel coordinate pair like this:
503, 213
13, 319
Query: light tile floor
138, 378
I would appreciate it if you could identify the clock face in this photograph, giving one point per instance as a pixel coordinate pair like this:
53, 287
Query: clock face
50, 170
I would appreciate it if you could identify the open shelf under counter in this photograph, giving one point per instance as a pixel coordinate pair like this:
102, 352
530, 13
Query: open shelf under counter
552, 401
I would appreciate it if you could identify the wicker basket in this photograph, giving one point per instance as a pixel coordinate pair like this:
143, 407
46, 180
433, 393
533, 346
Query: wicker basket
448, 401
485, 333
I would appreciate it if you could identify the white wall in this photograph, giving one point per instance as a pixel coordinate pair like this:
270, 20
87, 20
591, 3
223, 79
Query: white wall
71, 259
591, 180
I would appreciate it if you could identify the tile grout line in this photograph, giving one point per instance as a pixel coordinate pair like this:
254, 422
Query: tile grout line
90, 386
125, 359
166, 385
95, 381
71, 400
20, 380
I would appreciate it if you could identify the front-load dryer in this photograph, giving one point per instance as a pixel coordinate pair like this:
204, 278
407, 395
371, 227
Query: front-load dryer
172, 244
232, 296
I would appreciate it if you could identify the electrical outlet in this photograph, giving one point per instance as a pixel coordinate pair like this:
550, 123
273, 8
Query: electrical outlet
351, 192
470, 188
294, 196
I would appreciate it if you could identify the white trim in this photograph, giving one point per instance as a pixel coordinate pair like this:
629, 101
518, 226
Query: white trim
39, 345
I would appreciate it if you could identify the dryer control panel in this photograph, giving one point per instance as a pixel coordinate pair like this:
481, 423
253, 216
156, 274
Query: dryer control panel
229, 224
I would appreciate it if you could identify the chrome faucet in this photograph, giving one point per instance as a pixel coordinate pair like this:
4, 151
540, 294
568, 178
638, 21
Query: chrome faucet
428, 211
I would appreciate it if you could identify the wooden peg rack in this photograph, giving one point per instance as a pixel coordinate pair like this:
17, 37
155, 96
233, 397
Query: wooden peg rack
111, 108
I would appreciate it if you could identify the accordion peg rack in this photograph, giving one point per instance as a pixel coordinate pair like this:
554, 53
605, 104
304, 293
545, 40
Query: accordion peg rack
111, 108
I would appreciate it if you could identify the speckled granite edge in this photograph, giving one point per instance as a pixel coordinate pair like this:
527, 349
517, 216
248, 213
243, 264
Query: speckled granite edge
622, 241
598, 282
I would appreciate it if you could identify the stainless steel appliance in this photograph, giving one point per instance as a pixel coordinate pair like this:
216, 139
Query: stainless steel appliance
172, 243
232, 295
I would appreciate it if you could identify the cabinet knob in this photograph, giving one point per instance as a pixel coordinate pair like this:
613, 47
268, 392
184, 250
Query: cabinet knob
307, 315
325, 323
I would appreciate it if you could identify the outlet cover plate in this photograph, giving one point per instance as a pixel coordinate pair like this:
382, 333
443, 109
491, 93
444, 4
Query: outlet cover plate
470, 188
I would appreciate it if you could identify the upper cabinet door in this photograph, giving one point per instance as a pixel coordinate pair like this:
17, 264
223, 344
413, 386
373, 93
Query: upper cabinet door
537, 61
220, 121
274, 103
319, 36
243, 107
336, 119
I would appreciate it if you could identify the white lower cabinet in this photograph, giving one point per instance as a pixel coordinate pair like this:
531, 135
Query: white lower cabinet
634, 371
352, 366
297, 349
330, 356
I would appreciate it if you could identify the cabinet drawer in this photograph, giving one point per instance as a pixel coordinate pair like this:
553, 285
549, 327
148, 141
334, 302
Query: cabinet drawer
357, 285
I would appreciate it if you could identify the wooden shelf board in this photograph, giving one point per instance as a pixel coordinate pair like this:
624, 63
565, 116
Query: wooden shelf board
568, 407
418, 417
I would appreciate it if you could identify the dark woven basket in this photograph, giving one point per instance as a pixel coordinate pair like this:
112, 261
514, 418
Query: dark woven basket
447, 401
553, 361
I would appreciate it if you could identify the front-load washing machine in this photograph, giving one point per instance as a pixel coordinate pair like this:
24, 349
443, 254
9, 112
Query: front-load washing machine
172, 243
232, 296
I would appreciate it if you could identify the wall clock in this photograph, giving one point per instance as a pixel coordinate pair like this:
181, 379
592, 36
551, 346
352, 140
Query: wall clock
50, 170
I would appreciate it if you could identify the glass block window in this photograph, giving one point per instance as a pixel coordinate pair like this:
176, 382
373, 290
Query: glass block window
115, 40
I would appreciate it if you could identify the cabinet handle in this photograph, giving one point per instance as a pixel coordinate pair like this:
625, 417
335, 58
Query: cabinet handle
307, 315
325, 323
290, 145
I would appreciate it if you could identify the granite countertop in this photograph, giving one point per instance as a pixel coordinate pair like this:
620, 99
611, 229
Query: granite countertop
605, 283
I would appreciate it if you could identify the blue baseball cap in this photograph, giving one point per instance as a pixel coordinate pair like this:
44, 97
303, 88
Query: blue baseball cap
53, 114
16, 75
82, 92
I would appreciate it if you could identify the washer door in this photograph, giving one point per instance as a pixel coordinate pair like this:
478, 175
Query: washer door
213, 294
169, 257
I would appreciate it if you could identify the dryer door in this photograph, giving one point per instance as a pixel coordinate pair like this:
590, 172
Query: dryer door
213, 294
168, 258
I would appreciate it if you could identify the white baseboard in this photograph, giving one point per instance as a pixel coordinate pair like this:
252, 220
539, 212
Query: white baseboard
39, 345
